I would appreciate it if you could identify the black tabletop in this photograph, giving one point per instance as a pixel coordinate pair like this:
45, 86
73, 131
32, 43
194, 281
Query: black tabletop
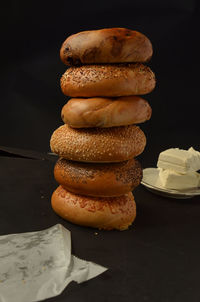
157, 259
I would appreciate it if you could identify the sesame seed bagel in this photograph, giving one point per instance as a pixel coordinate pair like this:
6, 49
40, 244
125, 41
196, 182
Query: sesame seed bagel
103, 212
111, 80
105, 112
98, 144
109, 45
104, 180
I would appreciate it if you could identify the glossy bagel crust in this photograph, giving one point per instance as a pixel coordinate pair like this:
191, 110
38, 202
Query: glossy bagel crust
103, 212
105, 112
98, 144
111, 80
109, 45
104, 180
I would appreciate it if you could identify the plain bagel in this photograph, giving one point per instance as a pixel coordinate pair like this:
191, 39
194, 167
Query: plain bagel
98, 144
105, 112
110, 45
111, 80
104, 180
103, 212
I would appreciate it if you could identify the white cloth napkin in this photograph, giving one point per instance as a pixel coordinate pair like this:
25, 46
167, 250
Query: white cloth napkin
38, 265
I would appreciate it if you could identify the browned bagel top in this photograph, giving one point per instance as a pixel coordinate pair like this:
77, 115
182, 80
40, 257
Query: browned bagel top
109, 45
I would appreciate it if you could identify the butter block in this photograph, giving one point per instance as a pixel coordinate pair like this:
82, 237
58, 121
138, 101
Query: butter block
170, 179
179, 160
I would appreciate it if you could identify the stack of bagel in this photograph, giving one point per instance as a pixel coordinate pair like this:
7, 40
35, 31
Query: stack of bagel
97, 145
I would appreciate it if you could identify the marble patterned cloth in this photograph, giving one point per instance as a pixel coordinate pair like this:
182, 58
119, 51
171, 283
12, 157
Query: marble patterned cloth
38, 265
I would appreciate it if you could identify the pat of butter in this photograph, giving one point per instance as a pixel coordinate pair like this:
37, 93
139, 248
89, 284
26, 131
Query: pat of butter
181, 161
173, 180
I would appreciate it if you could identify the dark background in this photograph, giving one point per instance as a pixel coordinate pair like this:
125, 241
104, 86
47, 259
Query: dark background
32, 33
157, 259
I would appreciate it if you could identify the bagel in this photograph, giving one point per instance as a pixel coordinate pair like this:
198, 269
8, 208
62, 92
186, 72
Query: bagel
105, 112
110, 45
102, 213
104, 180
98, 144
107, 80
